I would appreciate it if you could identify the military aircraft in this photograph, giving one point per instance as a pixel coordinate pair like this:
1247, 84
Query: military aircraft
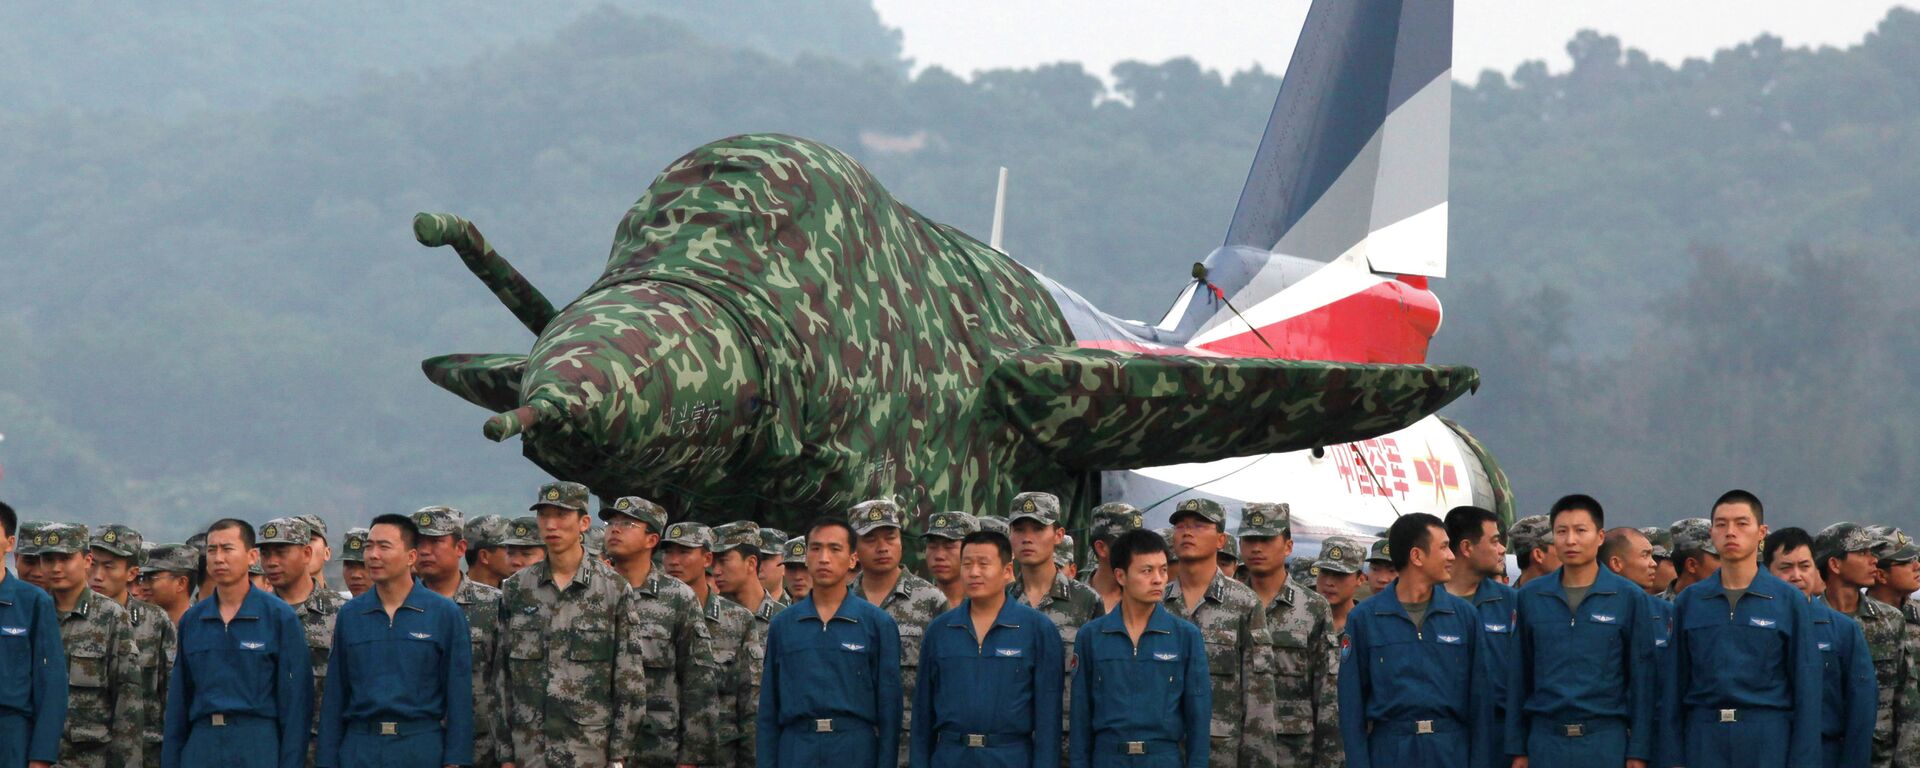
776, 336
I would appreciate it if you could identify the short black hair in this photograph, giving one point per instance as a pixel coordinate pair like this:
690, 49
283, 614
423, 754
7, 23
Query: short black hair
1410, 532
409, 533
1464, 524
1737, 496
996, 538
832, 521
233, 524
9, 521
1138, 541
1575, 502
1617, 541
1787, 540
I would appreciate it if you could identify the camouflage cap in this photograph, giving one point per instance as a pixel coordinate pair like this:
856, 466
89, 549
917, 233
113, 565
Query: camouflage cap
254, 569
1207, 508
1231, 549
198, 541
1377, 552
1528, 534
1038, 506
874, 514
26, 535
773, 541
563, 494
172, 558
487, 531
316, 527
1844, 538
1063, 552
524, 532
439, 520
354, 548
117, 539
1692, 536
1166, 534
654, 515
594, 541
689, 534
1265, 520
284, 530
996, 524
1300, 569
60, 539
739, 534
1114, 518
794, 551
951, 525
1891, 545
1340, 554
1661, 539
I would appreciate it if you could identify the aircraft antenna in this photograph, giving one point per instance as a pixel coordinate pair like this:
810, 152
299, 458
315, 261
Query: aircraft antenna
999, 212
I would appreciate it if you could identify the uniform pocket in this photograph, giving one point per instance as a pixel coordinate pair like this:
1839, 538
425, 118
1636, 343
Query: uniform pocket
88, 712
910, 639
1223, 652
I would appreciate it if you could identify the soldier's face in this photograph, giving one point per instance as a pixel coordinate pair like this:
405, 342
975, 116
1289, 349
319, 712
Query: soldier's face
1337, 588
561, 529
688, 564
627, 537
284, 564
1576, 537
1855, 569
1488, 553
983, 571
166, 588
521, 557
355, 574
1033, 542
1436, 560
318, 554
1663, 573
1265, 555
439, 557
1379, 575
1737, 531
733, 570
227, 558
389, 559
943, 559
1145, 579
111, 575
830, 557
1795, 566
1196, 538
66, 571
879, 550
31, 571
1227, 565
1904, 577
1637, 566
796, 580
772, 573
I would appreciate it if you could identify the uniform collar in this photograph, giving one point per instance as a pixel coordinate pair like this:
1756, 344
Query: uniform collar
1216, 589
1603, 583
582, 577
1390, 602
1490, 591
1711, 586
1160, 621
253, 606
411, 602
964, 618
847, 606
82, 605
1062, 588
902, 586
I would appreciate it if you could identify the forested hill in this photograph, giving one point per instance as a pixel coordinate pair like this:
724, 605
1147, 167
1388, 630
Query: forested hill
1676, 279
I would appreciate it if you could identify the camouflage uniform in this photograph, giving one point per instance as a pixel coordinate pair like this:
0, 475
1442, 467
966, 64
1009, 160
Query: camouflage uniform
1239, 647
674, 647
912, 603
1884, 628
317, 614
153, 635
725, 711
1302, 710
1069, 604
480, 604
1893, 546
1691, 537
105, 716
751, 660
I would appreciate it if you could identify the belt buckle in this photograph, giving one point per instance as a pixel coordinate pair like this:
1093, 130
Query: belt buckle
1136, 747
217, 720
1576, 730
976, 740
823, 726
389, 729
1729, 716
1422, 727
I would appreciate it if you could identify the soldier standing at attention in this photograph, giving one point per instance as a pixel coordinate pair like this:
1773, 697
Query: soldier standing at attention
1479, 555
1847, 706
33, 683
27, 557
1627, 552
668, 633
1141, 692
105, 716
241, 689
1229, 558
170, 572
988, 694
1336, 576
1843, 556
1302, 714
318, 552
439, 547
1899, 577
286, 557
737, 577
1581, 687
1068, 604
400, 682
1531, 541
486, 538
1408, 695
909, 599
1748, 677
524, 545
1109, 521
944, 532
1380, 570
353, 562
793, 558
1694, 552
572, 686
1231, 622
830, 693
709, 700
116, 551
1066, 559
773, 573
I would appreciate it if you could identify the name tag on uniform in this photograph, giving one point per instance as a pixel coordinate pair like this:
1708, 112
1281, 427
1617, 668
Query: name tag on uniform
853, 646
1497, 629
1825, 646
1007, 652
1759, 622
1449, 639
13, 631
253, 646
1166, 656
1603, 618
421, 635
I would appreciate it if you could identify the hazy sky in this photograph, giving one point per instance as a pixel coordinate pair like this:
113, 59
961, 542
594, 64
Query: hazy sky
1235, 34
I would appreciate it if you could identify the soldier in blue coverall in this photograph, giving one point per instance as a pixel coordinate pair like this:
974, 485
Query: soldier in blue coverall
241, 693
990, 681
1581, 688
33, 666
1747, 681
1141, 692
1630, 553
1849, 697
830, 693
1408, 695
1479, 555
399, 688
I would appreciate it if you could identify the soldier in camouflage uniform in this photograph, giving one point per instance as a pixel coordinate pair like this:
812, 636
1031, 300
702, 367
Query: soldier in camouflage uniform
1109, 521
793, 558
286, 556
1336, 577
668, 634
1663, 573
1065, 559
574, 686
1231, 621
1035, 521
1295, 724
524, 546
944, 532
105, 716
486, 537
1899, 576
1845, 555
26, 558
737, 559
1694, 556
994, 523
711, 716
169, 571
117, 555
353, 562
1229, 559
1530, 540
909, 599
773, 574
440, 549
1300, 570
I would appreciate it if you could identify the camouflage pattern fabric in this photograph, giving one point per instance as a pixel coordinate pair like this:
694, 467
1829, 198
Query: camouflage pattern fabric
722, 673
317, 614
1906, 704
29, 537
353, 549
1112, 519
1886, 631
670, 639
1239, 659
481, 605
106, 719
485, 532
912, 603
155, 640
1662, 540
1296, 723
1069, 605
753, 649
774, 332
1503, 503
570, 673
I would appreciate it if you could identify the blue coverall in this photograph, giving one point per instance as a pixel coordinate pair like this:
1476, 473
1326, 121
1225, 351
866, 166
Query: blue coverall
992, 701
830, 691
241, 694
1495, 603
1849, 693
1410, 696
1139, 706
33, 675
1581, 690
392, 683
1746, 677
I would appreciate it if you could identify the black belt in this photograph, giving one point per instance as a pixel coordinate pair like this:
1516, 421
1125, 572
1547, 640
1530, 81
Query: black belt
1146, 747
393, 727
1575, 730
977, 740
1417, 727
